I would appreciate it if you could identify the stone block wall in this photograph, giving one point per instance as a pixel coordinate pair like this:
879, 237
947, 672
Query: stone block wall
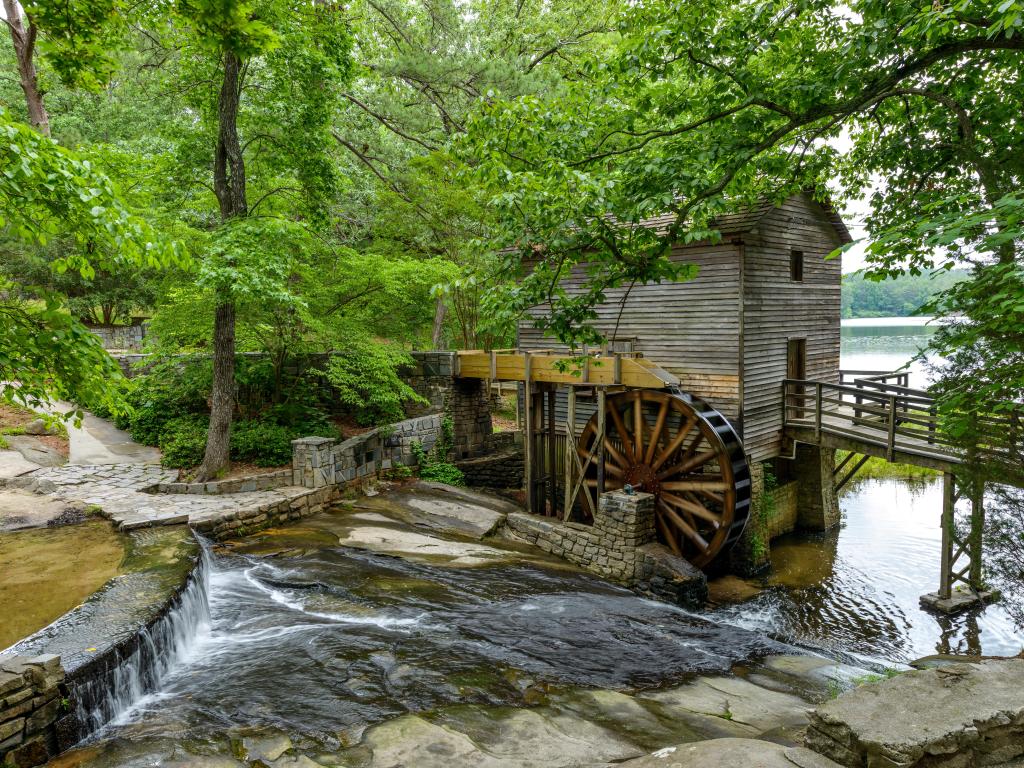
781, 513
120, 336
619, 546
320, 462
818, 503
30, 705
261, 482
502, 467
268, 515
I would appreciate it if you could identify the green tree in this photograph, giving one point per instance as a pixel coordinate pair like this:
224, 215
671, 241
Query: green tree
711, 106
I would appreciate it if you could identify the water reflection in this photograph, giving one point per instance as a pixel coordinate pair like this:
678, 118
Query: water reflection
886, 344
856, 590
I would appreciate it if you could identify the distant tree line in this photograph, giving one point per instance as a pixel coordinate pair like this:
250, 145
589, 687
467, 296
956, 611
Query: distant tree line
899, 297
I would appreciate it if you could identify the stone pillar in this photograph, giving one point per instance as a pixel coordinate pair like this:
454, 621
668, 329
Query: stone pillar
625, 519
752, 553
30, 705
817, 503
312, 462
469, 408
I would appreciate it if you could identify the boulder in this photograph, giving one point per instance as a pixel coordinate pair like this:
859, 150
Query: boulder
955, 715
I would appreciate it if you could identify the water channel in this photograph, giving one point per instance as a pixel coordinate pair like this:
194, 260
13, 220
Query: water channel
313, 644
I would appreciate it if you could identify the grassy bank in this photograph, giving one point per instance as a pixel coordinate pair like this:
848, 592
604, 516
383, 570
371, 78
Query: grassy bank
879, 469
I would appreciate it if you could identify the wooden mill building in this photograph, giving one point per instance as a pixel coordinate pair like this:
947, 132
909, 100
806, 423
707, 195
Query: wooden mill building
764, 307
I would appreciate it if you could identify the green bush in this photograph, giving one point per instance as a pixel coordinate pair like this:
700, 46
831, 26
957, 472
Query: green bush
262, 443
366, 381
435, 465
302, 419
183, 441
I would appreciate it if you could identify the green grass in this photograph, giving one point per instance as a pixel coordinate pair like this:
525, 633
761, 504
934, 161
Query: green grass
879, 469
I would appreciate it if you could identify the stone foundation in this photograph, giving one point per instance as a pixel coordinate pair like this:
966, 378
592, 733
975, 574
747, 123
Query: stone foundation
30, 705
620, 546
817, 501
465, 401
268, 515
501, 470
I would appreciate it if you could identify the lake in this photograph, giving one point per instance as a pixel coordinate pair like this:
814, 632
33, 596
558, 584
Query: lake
886, 344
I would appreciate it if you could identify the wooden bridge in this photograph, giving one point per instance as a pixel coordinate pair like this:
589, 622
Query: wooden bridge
876, 413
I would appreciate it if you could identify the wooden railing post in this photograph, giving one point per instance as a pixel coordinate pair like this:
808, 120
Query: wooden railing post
891, 449
817, 411
948, 510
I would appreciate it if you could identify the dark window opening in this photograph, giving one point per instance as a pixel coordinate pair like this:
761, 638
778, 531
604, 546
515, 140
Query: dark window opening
796, 266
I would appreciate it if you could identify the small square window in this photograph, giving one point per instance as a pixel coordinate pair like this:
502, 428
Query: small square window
796, 266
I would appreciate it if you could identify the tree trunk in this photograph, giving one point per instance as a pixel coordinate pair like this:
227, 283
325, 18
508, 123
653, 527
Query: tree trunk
222, 403
229, 186
24, 40
440, 310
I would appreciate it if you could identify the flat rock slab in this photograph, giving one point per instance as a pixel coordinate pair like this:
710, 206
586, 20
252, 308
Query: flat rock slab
13, 464
36, 451
731, 753
957, 715
422, 546
444, 509
22, 509
737, 707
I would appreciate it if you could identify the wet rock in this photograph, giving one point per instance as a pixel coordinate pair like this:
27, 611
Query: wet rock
21, 509
494, 739
731, 589
748, 753
72, 514
264, 748
813, 678
959, 715
732, 706
422, 546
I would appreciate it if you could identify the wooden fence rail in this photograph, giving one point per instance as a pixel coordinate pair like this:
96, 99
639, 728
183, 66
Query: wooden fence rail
882, 412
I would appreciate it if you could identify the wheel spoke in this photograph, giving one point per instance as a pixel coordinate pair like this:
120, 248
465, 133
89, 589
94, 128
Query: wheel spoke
695, 485
668, 535
685, 527
673, 446
693, 508
638, 426
659, 425
688, 465
627, 439
618, 458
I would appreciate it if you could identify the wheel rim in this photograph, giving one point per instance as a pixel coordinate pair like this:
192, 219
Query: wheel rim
684, 453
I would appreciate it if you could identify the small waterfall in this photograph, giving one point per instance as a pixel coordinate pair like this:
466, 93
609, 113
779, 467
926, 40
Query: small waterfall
107, 690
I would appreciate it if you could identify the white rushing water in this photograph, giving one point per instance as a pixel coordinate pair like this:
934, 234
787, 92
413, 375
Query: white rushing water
109, 695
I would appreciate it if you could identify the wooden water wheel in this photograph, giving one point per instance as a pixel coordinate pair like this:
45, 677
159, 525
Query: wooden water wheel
687, 455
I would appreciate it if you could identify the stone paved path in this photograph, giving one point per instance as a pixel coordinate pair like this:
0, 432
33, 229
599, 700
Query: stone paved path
118, 490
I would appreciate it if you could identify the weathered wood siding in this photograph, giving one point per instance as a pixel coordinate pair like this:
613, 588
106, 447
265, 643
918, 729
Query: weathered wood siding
690, 329
777, 309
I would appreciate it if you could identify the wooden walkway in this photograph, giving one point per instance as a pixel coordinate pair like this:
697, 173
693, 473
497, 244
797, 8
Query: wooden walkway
877, 414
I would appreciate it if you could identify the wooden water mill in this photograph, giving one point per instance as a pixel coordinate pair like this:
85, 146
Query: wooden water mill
644, 433
682, 451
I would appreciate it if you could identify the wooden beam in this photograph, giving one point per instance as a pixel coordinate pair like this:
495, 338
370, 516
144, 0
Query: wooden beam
528, 434
553, 368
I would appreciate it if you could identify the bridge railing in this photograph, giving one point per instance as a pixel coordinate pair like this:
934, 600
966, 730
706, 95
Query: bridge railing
897, 418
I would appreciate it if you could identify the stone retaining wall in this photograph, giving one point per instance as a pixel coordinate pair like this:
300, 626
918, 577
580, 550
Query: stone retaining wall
319, 462
120, 336
781, 515
501, 470
267, 515
261, 482
620, 546
30, 704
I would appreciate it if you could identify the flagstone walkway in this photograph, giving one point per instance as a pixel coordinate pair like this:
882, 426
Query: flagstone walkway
119, 491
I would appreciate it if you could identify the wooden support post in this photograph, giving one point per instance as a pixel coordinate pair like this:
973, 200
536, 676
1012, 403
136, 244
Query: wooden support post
552, 440
948, 521
539, 456
570, 453
617, 366
975, 543
601, 418
528, 432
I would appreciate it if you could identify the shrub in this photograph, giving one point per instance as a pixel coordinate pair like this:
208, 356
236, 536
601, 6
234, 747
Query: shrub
435, 465
262, 443
302, 419
366, 381
183, 441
